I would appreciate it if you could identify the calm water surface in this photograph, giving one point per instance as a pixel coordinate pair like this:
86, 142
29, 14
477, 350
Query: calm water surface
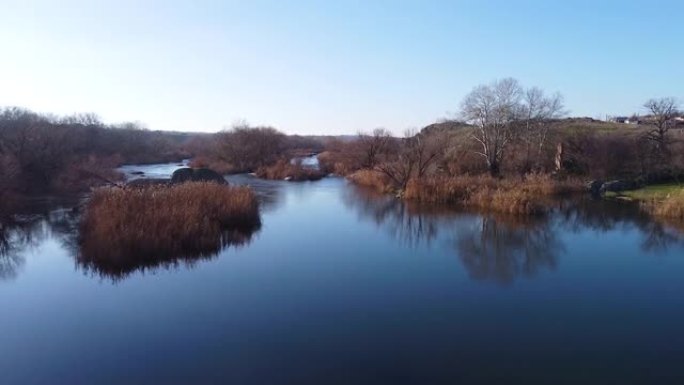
344, 287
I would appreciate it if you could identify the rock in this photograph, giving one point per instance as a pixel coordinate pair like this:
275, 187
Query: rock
617, 186
594, 187
186, 174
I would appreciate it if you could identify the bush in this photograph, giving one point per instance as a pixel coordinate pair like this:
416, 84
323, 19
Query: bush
123, 230
284, 169
220, 166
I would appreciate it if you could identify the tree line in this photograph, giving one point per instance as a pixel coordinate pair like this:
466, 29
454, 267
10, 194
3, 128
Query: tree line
45, 154
505, 129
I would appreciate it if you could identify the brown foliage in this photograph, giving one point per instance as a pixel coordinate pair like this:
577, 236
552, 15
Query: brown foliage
218, 165
248, 148
123, 230
87, 173
672, 207
341, 157
513, 195
376, 180
50, 151
284, 169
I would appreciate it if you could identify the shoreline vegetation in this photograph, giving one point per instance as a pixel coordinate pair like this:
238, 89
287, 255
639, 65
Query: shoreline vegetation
526, 195
662, 200
511, 150
127, 229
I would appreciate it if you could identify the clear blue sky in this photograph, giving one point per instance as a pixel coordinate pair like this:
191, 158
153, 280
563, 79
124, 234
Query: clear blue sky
330, 67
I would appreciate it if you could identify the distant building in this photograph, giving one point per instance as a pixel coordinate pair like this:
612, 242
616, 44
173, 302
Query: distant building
626, 120
679, 122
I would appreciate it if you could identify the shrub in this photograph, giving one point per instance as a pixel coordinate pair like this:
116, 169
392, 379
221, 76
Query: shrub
284, 169
220, 166
89, 172
337, 162
123, 230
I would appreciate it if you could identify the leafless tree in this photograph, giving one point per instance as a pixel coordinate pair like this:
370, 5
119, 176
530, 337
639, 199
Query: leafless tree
373, 145
663, 111
538, 110
413, 157
248, 148
493, 109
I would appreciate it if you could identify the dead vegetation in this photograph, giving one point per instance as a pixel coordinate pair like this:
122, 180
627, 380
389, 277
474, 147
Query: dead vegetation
123, 230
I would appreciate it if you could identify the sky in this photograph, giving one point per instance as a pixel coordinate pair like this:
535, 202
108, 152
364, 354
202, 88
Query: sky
330, 67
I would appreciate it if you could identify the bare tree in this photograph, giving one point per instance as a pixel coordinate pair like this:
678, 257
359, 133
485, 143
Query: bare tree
538, 110
373, 145
493, 109
663, 111
413, 157
248, 148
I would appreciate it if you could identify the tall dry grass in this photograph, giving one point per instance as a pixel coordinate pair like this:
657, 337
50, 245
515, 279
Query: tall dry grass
372, 179
123, 230
671, 207
524, 195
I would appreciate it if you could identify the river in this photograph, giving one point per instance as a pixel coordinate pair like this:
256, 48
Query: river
342, 286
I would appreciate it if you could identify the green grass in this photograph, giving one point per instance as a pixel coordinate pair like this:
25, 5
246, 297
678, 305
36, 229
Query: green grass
649, 193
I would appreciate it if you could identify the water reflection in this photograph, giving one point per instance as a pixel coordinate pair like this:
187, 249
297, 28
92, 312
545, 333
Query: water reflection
116, 258
502, 248
16, 236
407, 222
269, 192
10, 258
658, 235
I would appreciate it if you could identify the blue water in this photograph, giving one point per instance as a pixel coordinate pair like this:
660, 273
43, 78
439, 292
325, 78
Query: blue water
341, 286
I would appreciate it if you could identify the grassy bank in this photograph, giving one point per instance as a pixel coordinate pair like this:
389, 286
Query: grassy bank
523, 195
127, 229
664, 200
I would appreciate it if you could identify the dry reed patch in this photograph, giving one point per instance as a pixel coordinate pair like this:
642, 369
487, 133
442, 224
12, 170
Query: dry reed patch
512, 195
123, 230
284, 169
672, 206
373, 179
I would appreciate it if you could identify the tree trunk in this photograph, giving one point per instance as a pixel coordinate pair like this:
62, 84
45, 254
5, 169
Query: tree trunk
558, 161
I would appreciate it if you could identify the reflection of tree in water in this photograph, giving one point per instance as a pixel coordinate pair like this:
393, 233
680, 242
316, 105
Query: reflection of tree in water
410, 223
502, 248
17, 235
490, 247
10, 260
604, 216
116, 258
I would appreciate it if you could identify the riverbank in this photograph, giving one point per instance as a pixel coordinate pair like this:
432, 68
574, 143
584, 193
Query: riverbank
663, 200
524, 195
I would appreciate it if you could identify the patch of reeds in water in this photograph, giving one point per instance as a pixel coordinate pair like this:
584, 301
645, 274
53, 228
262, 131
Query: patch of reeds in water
523, 195
123, 230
